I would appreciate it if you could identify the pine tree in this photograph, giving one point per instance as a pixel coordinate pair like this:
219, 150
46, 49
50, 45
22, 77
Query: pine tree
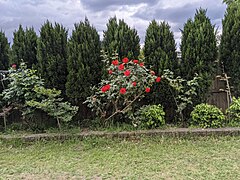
121, 39
199, 51
52, 55
18, 47
4, 51
230, 44
84, 62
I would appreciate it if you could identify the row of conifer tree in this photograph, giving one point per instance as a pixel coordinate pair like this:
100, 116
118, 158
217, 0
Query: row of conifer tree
75, 64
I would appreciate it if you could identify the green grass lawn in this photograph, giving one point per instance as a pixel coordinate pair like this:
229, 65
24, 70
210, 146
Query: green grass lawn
144, 158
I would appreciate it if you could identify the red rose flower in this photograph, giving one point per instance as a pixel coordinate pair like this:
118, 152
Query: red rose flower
127, 72
152, 72
158, 79
135, 61
123, 90
115, 62
134, 83
110, 71
121, 67
125, 60
105, 88
141, 64
14, 66
147, 90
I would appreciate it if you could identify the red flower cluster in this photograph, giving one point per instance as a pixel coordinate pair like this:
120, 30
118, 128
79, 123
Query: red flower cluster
134, 83
158, 79
141, 64
110, 71
127, 72
115, 62
105, 88
125, 60
147, 90
123, 91
135, 61
121, 67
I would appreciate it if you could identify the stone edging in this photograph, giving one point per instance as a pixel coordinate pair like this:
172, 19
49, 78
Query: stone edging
178, 132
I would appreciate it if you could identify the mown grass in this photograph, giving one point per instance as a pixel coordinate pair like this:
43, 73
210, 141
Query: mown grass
143, 158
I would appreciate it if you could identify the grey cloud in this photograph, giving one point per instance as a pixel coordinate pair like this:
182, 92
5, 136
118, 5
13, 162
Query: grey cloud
98, 5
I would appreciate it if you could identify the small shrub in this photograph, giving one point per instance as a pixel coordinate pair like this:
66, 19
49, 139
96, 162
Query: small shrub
207, 116
234, 113
150, 116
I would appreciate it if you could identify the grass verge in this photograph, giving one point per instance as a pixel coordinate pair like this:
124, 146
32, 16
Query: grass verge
141, 158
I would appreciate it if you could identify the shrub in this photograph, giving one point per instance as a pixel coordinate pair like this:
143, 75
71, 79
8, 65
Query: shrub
26, 92
207, 116
127, 82
234, 113
150, 116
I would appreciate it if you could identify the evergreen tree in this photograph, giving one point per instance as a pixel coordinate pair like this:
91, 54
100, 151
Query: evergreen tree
121, 39
52, 55
160, 53
30, 47
84, 62
199, 51
24, 47
160, 48
4, 51
18, 47
230, 45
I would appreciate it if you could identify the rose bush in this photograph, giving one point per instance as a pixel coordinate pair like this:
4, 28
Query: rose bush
127, 81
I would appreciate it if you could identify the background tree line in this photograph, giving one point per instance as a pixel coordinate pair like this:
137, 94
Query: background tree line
75, 64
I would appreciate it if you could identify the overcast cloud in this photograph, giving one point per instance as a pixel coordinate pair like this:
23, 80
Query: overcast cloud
137, 13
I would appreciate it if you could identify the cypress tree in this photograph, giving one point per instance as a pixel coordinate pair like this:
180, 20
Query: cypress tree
160, 47
84, 62
160, 53
52, 55
121, 39
30, 47
230, 45
199, 50
4, 51
18, 47
24, 47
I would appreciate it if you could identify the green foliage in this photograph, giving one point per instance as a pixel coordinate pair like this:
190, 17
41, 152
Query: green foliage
20, 88
84, 61
234, 113
24, 47
199, 51
160, 54
30, 47
229, 47
4, 51
26, 92
183, 91
121, 39
52, 55
207, 116
125, 84
18, 47
150, 116
160, 47
51, 104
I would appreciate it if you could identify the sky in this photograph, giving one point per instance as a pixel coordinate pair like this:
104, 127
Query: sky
136, 13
